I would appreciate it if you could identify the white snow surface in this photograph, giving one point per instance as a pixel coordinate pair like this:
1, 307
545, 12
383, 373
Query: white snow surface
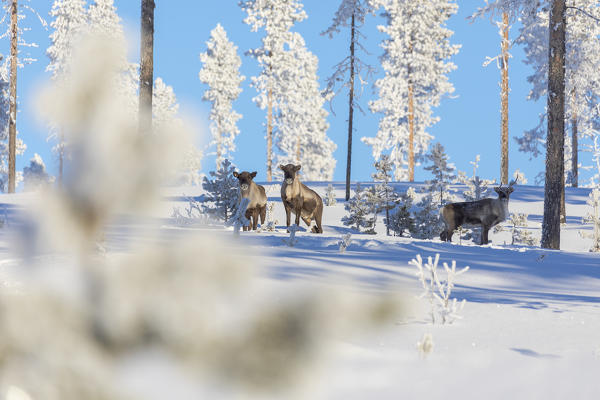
530, 327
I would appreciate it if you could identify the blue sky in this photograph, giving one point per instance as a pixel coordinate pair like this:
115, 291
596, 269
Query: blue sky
470, 120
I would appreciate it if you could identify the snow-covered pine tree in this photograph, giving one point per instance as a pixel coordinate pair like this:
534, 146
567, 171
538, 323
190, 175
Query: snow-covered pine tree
416, 66
221, 198
443, 175
389, 197
330, 198
35, 175
4, 122
350, 14
401, 220
220, 71
277, 18
358, 211
519, 232
301, 120
69, 24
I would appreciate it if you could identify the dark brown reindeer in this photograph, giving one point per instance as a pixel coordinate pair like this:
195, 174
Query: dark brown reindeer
305, 203
485, 212
257, 196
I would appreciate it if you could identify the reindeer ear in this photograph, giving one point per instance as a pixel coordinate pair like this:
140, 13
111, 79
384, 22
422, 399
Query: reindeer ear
497, 190
511, 189
235, 174
297, 167
253, 174
282, 167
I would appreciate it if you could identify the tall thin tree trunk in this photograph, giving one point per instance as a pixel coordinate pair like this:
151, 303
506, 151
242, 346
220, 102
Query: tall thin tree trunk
350, 108
12, 125
146, 66
556, 127
298, 150
270, 136
61, 157
574, 142
411, 133
504, 100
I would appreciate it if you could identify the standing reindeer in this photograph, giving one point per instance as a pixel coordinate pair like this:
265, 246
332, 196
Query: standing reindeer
485, 212
257, 204
300, 199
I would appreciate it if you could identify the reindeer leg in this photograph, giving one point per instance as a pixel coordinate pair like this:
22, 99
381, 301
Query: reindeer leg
288, 211
263, 215
318, 217
484, 234
254, 219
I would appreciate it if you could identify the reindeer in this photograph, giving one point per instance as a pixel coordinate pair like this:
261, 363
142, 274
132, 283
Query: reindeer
258, 198
485, 212
299, 199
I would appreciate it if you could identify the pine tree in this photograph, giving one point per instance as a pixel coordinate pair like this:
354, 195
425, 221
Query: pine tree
388, 195
221, 198
330, 198
358, 211
401, 220
69, 24
350, 14
146, 66
277, 18
220, 71
416, 65
443, 175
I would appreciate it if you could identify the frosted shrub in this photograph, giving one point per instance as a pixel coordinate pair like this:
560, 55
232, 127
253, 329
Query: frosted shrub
401, 220
191, 215
330, 199
519, 232
438, 292
35, 175
593, 217
239, 220
345, 242
270, 221
187, 306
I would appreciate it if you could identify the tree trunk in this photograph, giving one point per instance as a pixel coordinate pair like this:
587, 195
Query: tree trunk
12, 124
574, 143
556, 127
350, 108
270, 136
504, 100
146, 66
61, 158
298, 150
411, 134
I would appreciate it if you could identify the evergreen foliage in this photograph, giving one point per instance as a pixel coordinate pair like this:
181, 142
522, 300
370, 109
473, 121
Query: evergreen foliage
330, 198
358, 211
222, 194
35, 175
443, 174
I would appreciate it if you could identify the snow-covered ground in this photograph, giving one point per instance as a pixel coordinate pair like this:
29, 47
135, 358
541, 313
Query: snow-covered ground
530, 328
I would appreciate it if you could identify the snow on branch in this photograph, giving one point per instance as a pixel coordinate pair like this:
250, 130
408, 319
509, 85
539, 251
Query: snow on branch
437, 291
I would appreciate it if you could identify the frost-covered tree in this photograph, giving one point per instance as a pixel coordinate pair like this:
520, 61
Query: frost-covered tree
416, 64
350, 14
221, 198
35, 175
4, 125
220, 71
358, 211
69, 24
330, 199
277, 18
385, 192
301, 121
443, 175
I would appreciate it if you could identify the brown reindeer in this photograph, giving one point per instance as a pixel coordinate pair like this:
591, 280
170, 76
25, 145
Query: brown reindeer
484, 212
305, 203
258, 198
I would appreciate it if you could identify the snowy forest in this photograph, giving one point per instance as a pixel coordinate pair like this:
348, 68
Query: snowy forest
286, 212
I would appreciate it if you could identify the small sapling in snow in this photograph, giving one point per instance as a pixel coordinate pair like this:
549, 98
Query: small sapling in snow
330, 199
345, 242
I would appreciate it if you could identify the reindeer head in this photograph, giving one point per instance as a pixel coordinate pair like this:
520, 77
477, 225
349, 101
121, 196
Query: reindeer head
504, 192
245, 179
289, 172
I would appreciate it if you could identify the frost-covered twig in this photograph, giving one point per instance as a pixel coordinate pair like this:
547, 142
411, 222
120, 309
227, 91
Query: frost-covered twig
291, 241
439, 292
345, 242
270, 221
